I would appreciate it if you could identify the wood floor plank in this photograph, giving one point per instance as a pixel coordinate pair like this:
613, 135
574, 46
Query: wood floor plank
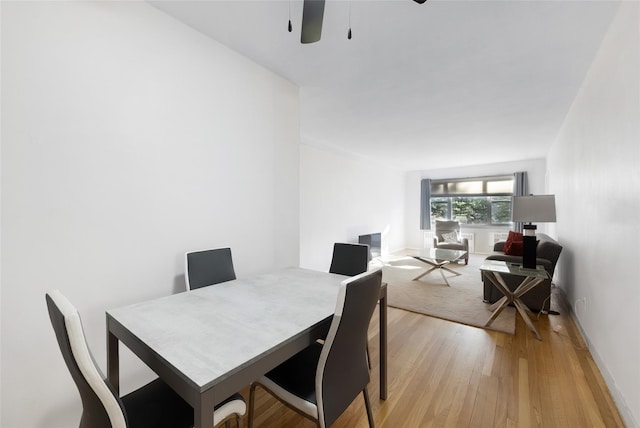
443, 374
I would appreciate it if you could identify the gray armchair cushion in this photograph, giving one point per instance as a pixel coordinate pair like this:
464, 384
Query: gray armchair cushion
446, 226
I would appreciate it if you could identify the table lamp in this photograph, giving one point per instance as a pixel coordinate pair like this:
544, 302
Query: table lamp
529, 209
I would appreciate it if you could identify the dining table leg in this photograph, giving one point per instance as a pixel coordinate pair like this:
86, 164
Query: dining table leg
113, 361
203, 415
383, 341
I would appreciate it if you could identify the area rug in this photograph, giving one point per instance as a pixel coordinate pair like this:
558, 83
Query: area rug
461, 302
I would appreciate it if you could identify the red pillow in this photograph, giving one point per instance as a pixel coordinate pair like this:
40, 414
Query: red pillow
515, 249
513, 237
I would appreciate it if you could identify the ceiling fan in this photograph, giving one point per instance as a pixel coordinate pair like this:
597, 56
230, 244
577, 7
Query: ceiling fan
312, 14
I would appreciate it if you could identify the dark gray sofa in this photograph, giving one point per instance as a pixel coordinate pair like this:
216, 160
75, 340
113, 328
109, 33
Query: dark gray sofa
548, 252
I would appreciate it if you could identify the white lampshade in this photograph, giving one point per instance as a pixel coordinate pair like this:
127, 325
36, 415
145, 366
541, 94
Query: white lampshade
534, 208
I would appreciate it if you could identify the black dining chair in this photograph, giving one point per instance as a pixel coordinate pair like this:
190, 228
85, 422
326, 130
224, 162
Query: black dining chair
322, 380
349, 259
155, 405
208, 267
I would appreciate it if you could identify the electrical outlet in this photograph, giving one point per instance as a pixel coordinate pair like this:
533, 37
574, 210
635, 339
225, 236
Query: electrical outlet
582, 300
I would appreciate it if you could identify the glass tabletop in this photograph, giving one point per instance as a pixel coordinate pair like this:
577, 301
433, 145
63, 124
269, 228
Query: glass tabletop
513, 269
439, 254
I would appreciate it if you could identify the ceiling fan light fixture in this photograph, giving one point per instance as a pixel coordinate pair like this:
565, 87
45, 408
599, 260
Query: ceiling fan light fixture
312, 15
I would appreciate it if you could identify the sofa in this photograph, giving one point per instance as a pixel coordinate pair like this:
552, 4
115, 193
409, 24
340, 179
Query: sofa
538, 299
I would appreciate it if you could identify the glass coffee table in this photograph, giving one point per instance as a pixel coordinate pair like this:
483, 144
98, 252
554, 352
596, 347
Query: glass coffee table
438, 258
531, 278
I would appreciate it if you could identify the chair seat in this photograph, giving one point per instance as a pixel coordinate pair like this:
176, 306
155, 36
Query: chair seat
156, 405
451, 246
294, 380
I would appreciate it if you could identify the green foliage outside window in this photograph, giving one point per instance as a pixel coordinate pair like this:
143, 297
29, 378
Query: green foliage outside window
472, 210
440, 208
500, 210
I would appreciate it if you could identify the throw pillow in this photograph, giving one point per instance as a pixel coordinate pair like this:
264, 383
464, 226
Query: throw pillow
450, 237
513, 237
515, 249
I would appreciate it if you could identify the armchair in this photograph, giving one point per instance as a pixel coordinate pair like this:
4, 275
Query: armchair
447, 236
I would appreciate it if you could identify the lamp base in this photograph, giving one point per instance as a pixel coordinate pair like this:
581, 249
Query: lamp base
529, 244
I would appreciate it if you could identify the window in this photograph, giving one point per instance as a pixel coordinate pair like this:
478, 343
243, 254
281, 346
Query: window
478, 201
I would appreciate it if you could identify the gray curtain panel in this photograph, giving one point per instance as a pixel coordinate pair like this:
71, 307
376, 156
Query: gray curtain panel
425, 205
520, 188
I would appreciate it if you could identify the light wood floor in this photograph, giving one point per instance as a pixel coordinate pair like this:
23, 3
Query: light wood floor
450, 375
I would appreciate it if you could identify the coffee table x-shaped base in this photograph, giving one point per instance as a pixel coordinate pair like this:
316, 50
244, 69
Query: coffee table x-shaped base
440, 265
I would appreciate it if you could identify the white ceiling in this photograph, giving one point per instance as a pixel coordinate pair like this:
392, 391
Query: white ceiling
446, 83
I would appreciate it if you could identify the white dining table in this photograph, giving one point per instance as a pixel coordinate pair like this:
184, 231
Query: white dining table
211, 342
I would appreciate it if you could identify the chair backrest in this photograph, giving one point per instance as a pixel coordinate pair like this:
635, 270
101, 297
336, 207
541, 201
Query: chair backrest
349, 259
343, 370
446, 226
208, 267
101, 408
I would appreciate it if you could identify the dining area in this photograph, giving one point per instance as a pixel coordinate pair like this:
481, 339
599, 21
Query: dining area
224, 333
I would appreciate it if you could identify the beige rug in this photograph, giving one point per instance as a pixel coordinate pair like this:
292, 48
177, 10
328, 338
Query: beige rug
461, 302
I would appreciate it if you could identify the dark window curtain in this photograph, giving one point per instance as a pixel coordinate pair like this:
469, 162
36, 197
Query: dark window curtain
425, 204
520, 188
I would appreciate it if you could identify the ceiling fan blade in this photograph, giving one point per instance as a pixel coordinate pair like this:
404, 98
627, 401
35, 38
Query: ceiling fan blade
312, 14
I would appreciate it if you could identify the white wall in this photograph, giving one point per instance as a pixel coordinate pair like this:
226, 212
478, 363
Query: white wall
127, 139
343, 197
593, 170
535, 169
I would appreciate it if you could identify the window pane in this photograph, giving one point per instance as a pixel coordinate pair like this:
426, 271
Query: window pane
440, 208
471, 210
472, 200
500, 209
438, 188
465, 187
503, 186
